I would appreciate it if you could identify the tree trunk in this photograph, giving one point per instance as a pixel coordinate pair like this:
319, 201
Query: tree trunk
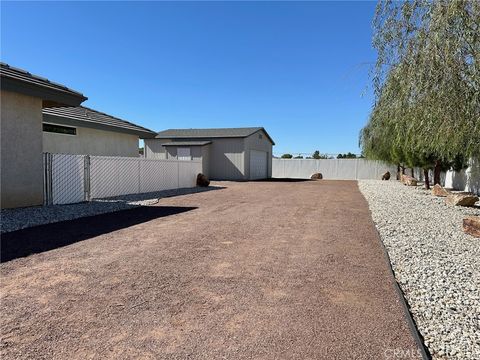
398, 171
403, 170
436, 172
413, 172
427, 180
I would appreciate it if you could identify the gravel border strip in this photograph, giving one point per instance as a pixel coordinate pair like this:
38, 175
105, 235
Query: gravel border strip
406, 308
21, 218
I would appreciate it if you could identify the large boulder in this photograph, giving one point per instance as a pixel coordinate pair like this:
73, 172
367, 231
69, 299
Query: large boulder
386, 176
438, 190
461, 199
316, 176
202, 180
408, 180
471, 225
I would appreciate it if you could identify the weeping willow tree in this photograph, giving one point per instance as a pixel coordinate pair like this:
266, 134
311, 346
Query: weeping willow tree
427, 85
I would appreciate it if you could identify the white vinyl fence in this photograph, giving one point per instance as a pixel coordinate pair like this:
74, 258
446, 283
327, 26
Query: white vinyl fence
75, 178
465, 180
335, 169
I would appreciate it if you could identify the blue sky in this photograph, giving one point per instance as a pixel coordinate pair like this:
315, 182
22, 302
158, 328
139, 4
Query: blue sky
300, 69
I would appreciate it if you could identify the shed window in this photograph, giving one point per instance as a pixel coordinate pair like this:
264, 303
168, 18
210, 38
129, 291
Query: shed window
184, 153
260, 136
59, 129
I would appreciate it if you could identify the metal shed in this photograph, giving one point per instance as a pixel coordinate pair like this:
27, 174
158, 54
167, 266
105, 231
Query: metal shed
227, 154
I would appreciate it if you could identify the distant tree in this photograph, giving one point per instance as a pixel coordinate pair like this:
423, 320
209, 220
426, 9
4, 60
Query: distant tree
349, 155
317, 155
298, 157
141, 151
287, 156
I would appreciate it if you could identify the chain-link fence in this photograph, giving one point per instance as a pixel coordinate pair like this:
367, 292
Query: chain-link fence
75, 178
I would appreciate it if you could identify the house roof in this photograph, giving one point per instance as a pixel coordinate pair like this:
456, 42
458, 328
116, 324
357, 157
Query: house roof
211, 133
187, 143
85, 117
52, 94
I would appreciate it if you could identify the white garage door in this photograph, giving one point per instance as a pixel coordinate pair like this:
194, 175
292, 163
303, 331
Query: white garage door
258, 164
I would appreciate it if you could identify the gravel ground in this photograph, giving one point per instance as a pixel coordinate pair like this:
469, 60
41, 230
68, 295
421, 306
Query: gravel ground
16, 219
435, 263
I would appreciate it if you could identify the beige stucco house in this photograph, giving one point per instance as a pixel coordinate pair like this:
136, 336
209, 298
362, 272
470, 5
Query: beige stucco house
83, 131
23, 96
226, 154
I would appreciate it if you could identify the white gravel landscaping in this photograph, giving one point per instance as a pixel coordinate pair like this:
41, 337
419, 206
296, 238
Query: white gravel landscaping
16, 219
436, 264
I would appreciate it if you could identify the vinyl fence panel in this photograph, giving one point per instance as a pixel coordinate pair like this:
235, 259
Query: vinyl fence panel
187, 173
335, 169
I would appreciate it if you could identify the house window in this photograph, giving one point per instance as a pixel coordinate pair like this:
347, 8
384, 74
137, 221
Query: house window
260, 136
184, 153
59, 129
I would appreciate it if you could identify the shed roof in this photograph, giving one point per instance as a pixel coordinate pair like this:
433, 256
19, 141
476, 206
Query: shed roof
186, 143
21, 81
83, 116
211, 133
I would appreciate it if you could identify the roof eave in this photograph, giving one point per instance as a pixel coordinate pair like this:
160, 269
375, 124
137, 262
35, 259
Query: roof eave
187, 143
268, 136
48, 95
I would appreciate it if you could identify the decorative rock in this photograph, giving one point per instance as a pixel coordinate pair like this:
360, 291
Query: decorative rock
408, 180
202, 180
438, 190
462, 199
386, 176
471, 225
316, 176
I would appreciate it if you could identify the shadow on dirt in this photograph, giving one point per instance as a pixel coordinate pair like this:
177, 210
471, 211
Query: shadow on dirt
47, 237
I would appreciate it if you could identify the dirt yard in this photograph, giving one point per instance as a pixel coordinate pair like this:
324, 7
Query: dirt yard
264, 270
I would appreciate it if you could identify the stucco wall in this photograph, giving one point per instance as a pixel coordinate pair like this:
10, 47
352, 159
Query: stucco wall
227, 159
206, 160
254, 142
21, 150
91, 142
154, 148
226, 156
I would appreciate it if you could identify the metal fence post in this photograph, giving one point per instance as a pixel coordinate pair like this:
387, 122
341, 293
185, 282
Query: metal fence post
178, 173
49, 178
86, 177
139, 175
44, 159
